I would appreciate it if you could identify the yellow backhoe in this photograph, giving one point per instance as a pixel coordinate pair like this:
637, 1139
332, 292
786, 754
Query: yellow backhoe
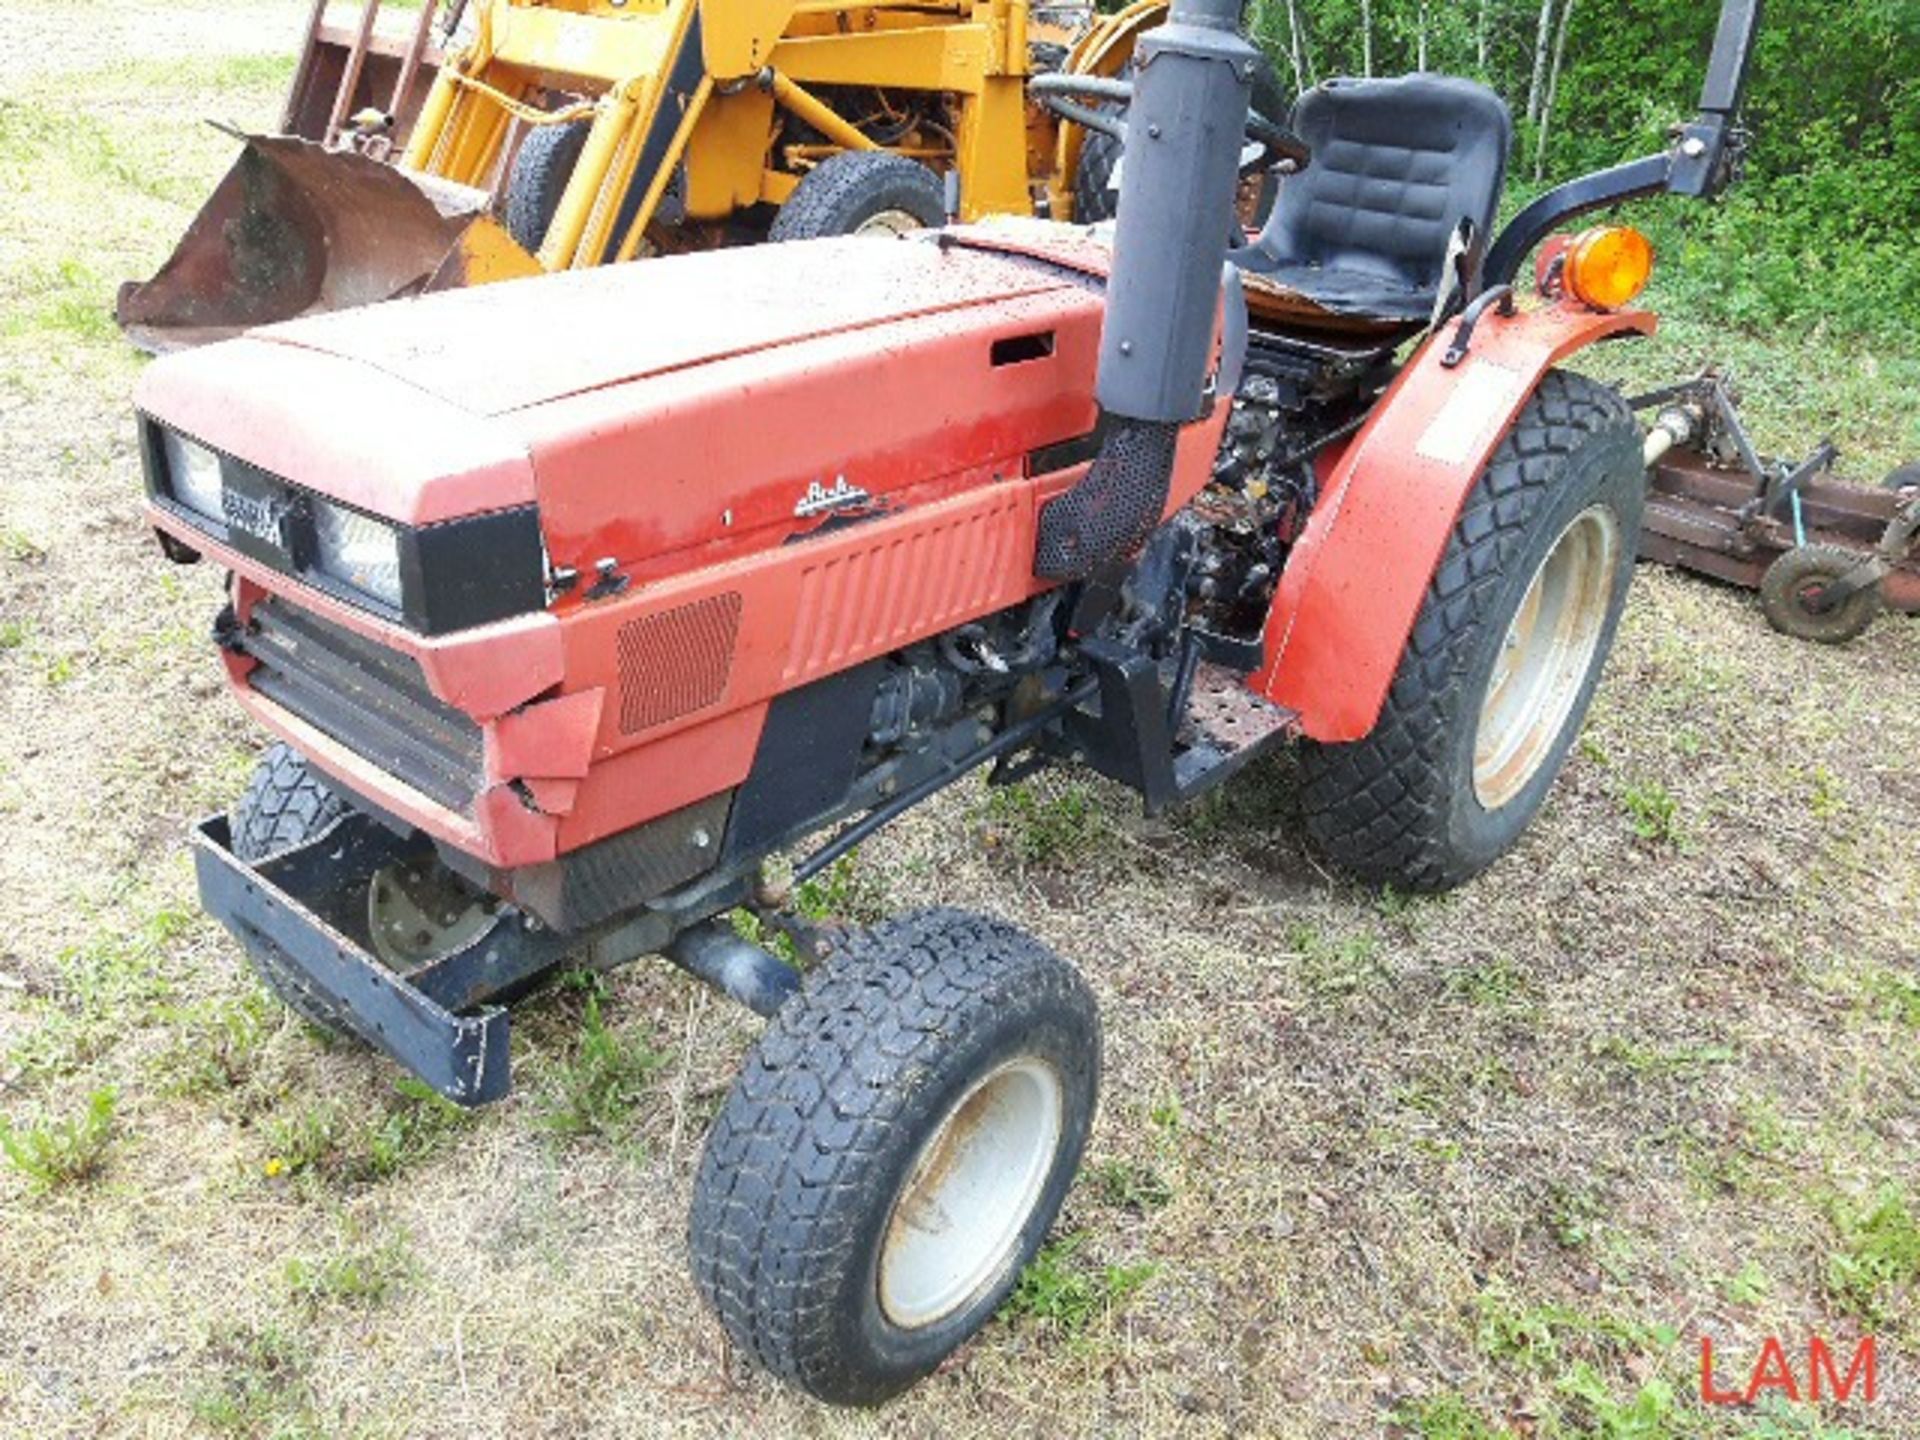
558, 134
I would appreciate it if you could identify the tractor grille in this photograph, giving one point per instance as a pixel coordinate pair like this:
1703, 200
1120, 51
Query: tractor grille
676, 662
373, 700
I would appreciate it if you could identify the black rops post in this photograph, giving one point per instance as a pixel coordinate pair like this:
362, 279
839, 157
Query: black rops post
1184, 133
1703, 161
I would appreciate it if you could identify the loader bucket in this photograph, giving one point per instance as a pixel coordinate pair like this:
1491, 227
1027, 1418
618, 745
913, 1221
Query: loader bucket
295, 229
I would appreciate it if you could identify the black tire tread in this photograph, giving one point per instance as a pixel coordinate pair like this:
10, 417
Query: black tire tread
1377, 807
834, 196
539, 178
1780, 598
283, 806
823, 1090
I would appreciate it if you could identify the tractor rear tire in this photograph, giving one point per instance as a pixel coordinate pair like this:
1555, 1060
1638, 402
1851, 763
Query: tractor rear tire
539, 178
862, 192
284, 806
894, 1151
1504, 657
1792, 584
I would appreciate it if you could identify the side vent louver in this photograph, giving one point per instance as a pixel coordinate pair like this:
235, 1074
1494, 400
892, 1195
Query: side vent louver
677, 661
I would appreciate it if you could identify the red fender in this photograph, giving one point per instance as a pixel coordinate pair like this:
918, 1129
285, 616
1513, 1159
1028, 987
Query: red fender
1355, 581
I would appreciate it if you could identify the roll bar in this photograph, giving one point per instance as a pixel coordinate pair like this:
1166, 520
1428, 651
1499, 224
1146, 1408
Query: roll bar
1702, 162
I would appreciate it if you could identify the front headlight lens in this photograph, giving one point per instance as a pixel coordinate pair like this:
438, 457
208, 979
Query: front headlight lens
357, 550
193, 475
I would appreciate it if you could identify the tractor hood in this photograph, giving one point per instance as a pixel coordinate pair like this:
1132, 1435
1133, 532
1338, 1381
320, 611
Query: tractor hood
673, 403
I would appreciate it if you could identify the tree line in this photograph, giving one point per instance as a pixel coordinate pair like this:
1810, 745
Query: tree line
1823, 230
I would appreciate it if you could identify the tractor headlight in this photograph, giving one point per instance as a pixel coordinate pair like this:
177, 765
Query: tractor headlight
357, 551
193, 475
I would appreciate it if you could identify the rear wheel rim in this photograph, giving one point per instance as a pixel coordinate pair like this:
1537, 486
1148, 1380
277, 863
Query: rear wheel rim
1546, 657
959, 1217
894, 223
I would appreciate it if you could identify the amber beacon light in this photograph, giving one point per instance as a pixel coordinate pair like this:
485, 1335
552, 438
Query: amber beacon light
1608, 267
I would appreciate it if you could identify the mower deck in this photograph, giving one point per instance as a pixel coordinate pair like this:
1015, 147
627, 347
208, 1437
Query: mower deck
1696, 519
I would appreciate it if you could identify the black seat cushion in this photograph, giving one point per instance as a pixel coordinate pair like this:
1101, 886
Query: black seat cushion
1397, 164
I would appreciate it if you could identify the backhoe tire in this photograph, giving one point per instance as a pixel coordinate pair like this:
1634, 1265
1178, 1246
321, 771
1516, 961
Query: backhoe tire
284, 806
1790, 595
539, 178
1504, 657
1095, 199
862, 192
893, 1152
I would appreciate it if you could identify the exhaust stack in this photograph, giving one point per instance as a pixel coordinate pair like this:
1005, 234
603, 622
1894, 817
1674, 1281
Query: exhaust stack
1184, 129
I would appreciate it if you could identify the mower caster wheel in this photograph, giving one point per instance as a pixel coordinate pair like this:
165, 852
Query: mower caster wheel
1902, 477
1792, 589
1504, 656
893, 1152
284, 806
862, 192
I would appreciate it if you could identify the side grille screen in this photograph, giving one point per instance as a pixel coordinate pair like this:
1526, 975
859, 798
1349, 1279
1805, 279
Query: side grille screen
676, 662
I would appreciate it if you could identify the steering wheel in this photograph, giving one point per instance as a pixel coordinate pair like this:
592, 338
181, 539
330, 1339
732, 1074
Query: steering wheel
1063, 94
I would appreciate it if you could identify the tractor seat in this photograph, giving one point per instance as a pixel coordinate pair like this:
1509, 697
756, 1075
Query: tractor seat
1358, 241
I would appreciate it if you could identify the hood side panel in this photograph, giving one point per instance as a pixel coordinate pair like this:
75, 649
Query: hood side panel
726, 453
520, 343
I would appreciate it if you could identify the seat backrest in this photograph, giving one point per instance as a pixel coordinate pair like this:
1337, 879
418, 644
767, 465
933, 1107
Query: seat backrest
1396, 165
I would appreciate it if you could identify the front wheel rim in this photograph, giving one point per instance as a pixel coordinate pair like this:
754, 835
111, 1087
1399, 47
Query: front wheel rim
894, 223
1546, 656
959, 1217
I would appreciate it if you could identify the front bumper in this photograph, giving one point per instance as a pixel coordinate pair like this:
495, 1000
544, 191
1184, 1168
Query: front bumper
300, 910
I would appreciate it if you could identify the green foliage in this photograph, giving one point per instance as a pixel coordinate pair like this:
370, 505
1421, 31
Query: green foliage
61, 1152
1653, 812
1130, 1185
258, 1386
1818, 234
354, 1276
417, 1125
1446, 1417
1040, 828
1066, 1293
1879, 1254
595, 1091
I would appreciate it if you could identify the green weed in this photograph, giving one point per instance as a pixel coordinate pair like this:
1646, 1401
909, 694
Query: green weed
1040, 829
1129, 1185
260, 1385
1066, 1294
416, 1126
61, 1152
596, 1091
305, 1139
354, 1277
1446, 1417
1879, 1254
1333, 965
1653, 813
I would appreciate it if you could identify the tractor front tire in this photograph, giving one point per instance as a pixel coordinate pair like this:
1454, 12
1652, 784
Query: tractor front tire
539, 177
862, 192
894, 1151
1504, 656
284, 806
1791, 595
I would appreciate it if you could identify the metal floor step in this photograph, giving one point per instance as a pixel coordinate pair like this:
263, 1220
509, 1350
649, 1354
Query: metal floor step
1225, 727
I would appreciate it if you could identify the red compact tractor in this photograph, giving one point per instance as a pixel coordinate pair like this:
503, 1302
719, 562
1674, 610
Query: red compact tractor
563, 640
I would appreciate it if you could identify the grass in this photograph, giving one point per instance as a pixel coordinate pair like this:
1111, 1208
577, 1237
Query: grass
1876, 1267
1065, 1293
597, 1089
357, 1276
60, 1152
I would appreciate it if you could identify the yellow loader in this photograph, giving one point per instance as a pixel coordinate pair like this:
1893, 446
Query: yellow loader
559, 134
